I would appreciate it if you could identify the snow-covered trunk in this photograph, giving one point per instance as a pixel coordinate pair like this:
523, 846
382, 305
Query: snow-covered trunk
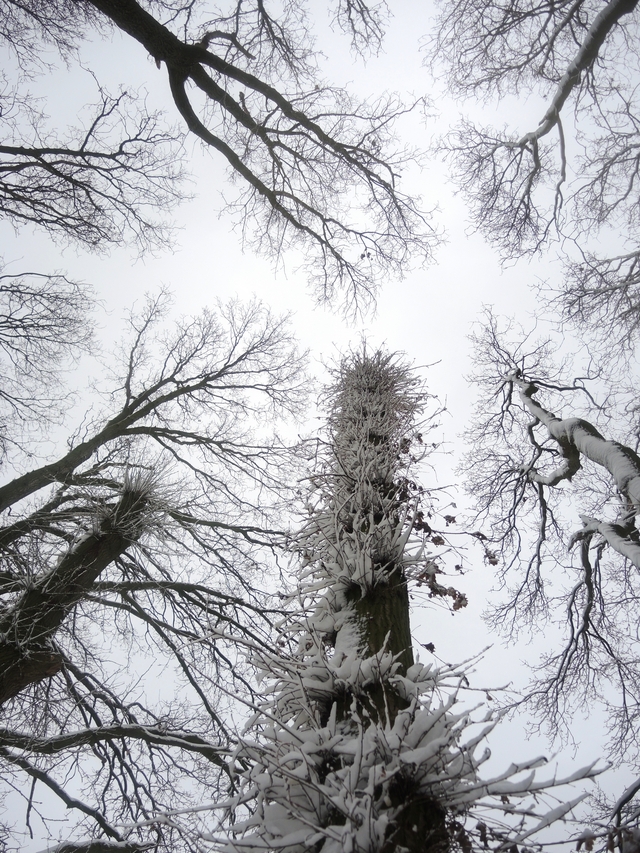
355, 747
371, 515
350, 679
382, 617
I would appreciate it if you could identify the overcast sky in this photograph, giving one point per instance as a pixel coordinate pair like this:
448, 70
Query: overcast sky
428, 315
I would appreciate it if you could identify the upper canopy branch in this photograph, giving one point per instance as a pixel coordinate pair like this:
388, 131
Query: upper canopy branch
574, 173
313, 162
583, 60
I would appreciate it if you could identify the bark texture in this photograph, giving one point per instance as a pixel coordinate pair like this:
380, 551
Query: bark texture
27, 650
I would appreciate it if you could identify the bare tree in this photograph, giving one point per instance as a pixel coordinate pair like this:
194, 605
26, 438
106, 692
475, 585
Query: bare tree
558, 497
575, 175
120, 559
316, 169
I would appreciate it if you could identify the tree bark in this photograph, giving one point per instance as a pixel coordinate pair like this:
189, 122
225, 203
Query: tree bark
27, 629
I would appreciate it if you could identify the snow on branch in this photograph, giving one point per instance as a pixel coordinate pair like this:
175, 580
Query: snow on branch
537, 460
576, 437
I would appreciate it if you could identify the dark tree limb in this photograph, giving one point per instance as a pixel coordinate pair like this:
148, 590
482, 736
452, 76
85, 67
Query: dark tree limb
29, 625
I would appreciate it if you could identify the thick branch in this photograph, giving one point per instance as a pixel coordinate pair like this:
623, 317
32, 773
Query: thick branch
587, 54
89, 737
614, 534
577, 436
27, 628
136, 410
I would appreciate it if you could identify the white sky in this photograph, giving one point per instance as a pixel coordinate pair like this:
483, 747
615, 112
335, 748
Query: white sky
428, 315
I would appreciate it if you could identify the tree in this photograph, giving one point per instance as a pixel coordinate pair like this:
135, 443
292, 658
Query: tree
356, 746
531, 469
574, 176
317, 169
118, 556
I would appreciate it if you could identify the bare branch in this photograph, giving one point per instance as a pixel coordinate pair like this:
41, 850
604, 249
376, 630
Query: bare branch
527, 189
100, 184
298, 155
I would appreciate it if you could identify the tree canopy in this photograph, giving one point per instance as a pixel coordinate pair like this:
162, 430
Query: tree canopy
315, 168
574, 177
136, 557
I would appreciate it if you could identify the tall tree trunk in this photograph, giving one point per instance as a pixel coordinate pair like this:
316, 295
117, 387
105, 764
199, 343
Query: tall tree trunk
372, 424
349, 690
357, 748
367, 487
